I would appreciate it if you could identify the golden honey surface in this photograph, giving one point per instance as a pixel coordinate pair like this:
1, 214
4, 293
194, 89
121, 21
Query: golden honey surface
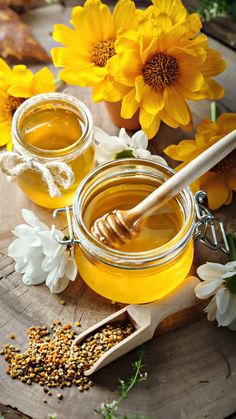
53, 128
143, 284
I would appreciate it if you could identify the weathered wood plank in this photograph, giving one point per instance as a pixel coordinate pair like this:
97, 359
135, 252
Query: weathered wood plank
188, 376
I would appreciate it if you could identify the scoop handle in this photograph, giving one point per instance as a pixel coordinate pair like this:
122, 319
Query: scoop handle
179, 299
192, 171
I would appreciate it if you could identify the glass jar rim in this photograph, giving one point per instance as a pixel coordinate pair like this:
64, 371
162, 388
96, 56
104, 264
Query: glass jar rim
79, 145
118, 257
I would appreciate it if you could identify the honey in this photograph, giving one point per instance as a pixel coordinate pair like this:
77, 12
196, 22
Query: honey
53, 127
158, 259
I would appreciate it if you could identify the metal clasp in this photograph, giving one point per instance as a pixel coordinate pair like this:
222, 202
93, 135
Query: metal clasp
209, 230
71, 241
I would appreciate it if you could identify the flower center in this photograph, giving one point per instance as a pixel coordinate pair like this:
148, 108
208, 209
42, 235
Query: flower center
102, 52
160, 71
13, 103
228, 163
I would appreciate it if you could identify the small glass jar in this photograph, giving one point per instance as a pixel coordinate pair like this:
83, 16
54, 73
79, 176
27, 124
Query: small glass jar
53, 127
136, 275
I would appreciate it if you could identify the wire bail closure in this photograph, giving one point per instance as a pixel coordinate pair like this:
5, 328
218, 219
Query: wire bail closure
209, 230
71, 241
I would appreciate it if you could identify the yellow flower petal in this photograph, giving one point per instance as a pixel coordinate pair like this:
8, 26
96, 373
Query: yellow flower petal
217, 190
124, 15
152, 100
226, 122
93, 15
129, 105
176, 106
186, 150
139, 86
64, 57
10, 146
166, 118
68, 37
229, 199
5, 130
213, 64
21, 82
112, 91
231, 178
215, 91
150, 124
5, 71
43, 81
113, 65
128, 73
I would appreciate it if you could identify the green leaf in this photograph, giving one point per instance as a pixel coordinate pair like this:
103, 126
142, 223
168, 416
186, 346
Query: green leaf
125, 154
230, 283
232, 247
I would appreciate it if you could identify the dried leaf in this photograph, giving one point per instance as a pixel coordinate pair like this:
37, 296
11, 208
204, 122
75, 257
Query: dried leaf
16, 39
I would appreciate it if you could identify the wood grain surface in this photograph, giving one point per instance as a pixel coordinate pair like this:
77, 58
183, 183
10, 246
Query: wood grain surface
191, 363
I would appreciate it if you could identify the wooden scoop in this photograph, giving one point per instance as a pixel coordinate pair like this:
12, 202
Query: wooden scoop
145, 318
119, 226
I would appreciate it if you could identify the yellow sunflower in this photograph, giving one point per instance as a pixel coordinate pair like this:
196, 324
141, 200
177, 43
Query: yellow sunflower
16, 85
89, 46
220, 182
163, 66
176, 12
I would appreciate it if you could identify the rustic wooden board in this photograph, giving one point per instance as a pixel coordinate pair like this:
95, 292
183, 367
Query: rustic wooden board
191, 363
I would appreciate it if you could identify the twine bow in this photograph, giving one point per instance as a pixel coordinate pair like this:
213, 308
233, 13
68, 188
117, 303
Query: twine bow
53, 173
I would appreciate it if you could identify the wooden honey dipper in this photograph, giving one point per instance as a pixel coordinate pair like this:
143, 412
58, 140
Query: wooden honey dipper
118, 226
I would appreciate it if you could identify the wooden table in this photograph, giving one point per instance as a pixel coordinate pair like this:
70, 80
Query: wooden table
191, 367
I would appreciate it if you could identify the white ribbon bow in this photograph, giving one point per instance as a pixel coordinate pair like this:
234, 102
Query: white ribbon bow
53, 173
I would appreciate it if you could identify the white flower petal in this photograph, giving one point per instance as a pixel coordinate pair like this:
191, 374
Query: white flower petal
229, 274
30, 218
158, 159
100, 136
211, 310
71, 269
60, 286
140, 140
207, 289
49, 243
232, 325
211, 271
54, 283
16, 249
50, 262
124, 138
231, 266
52, 278
27, 234
222, 299
142, 154
20, 266
62, 264
230, 314
37, 279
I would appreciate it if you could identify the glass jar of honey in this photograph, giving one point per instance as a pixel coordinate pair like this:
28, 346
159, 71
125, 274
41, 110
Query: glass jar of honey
53, 127
154, 263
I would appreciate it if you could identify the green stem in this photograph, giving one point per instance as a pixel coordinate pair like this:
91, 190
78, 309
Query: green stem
57, 80
133, 382
232, 247
213, 111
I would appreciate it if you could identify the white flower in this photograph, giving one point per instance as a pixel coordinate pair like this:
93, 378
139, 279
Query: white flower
220, 282
111, 147
38, 255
